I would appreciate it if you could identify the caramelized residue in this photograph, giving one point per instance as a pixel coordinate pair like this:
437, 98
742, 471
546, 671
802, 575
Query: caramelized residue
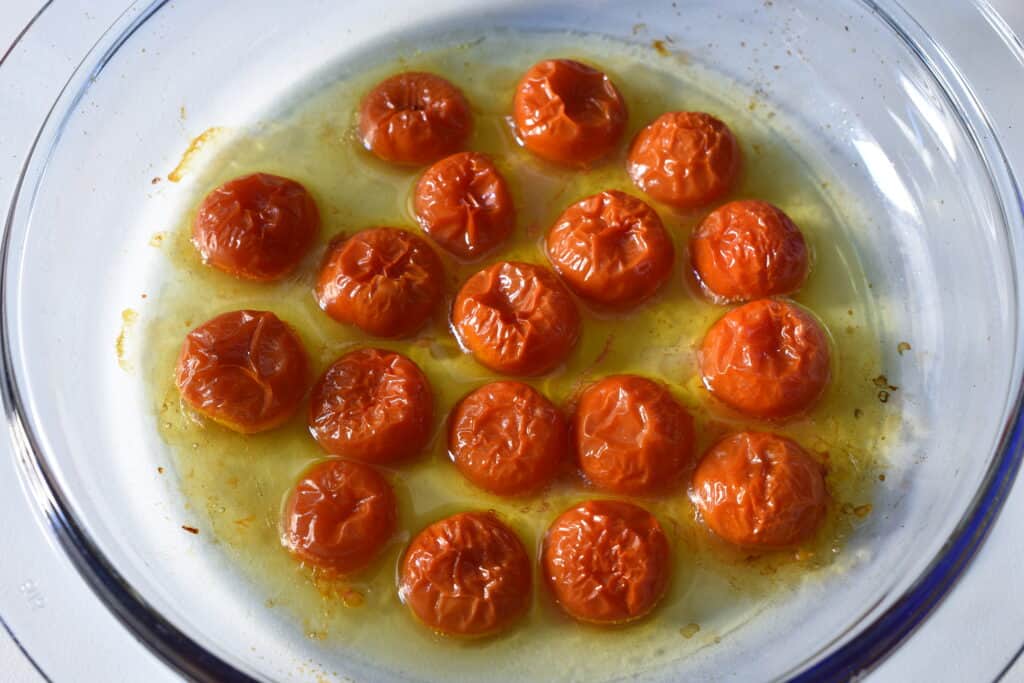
193, 149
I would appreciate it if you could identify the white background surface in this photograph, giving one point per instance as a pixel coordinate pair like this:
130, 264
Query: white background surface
960, 623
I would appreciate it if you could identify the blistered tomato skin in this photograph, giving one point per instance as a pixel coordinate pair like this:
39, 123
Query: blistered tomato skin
506, 438
748, 250
339, 516
606, 562
516, 318
767, 359
372, 405
245, 370
414, 118
685, 159
760, 491
568, 112
631, 436
462, 202
386, 281
257, 227
466, 575
612, 249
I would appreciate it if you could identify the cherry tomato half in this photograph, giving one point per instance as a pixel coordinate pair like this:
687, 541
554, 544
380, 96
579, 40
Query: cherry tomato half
606, 561
760, 490
245, 370
611, 248
258, 227
372, 405
466, 575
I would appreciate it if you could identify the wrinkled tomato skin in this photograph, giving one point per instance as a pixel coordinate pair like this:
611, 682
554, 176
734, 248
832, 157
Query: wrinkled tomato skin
612, 249
372, 405
466, 575
245, 370
767, 359
748, 250
257, 227
606, 562
685, 159
631, 436
507, 438
516, 318
386, 281
339, 516
414, 118
568, 113
760, 491
463, 203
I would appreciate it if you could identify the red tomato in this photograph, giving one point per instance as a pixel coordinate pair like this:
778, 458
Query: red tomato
339, 516
258, 227
760, 490
748, 250
568, 112
414, 118
508, 439
463, 203
611, 248
245, 370
386, 281
466, 575
631, 436
516, 318
372, 405
766, 359
685, 159
606, 561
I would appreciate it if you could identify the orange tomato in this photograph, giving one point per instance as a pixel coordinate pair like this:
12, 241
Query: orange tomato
606, 561
386, 281
257, 227
760, 490
685, 159
631, 436
414, 118
766, 359
748, 250
611, 248
245, 370
372, 405
463, 203
516, 318
339, 516
508, 439
567, 112
466, 575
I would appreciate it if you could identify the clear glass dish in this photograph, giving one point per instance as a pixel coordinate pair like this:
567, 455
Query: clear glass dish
889, 110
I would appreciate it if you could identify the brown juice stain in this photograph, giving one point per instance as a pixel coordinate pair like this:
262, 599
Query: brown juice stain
191, 151
234, 477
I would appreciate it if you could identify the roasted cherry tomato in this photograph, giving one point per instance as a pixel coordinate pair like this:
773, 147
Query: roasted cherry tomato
414, 118
631, 436
611, 248
508, 439
463, 203
606, 561
568, 112
386, 281
339, 516
760, 490
748, 250
516, 318
685, 159
245, 370
372, 405
466, 575
767, 359
258, 227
